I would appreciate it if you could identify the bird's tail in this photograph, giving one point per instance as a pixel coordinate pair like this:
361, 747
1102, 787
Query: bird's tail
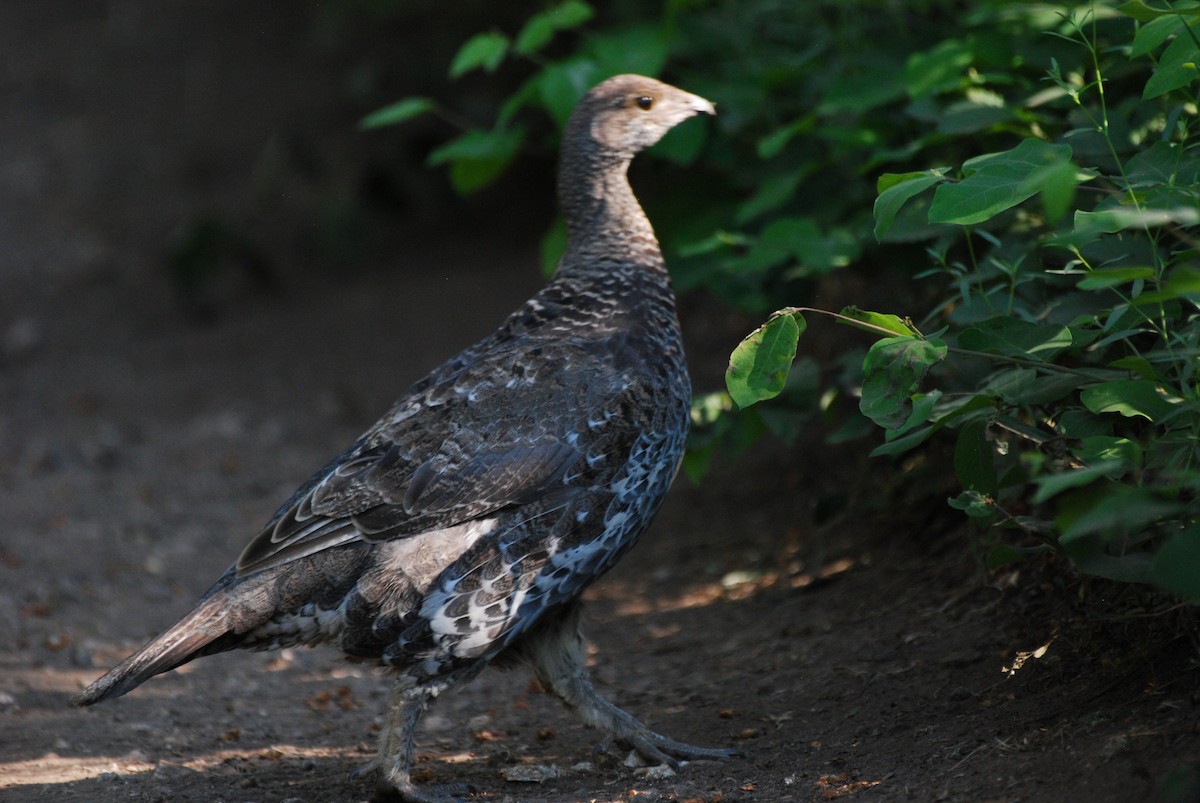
207, 622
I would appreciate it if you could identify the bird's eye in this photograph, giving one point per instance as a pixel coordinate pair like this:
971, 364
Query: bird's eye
645, 102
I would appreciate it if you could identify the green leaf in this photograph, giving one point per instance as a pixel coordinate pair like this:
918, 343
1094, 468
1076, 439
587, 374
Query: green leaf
483, 50
901, 327
896, 189
940, 68
397, 112
1124, 511
721, 430
1153, 34
540, 28
561, 85
719, 240
1163, 163
1176, 68
535, 34
868, 87
1133, 567
572, 14
1013, 337
820, 251
923, 405
1139, 10
1054, 484
974, 459
706, 408
799, 239
1056, 182
1183, 283
772, 144
1013, 384
1129, 397
1027, 386
635, 49
1105, 449
1176, 566
529, 92
1082, 424
902, 444
973, 503
892, 370
1112, 277
982, 111
1000, 181
771, 194
759, 366
478, 157
1110, 221
640, 49
978, 406
1138, 365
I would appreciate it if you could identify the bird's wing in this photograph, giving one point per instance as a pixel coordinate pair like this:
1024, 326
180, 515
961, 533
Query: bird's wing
451, 451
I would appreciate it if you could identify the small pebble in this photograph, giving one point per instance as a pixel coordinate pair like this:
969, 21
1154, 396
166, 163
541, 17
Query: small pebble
658, 773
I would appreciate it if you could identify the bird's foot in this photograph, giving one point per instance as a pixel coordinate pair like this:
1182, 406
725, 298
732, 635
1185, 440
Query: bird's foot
392, 785
654, 748
370, 768
391, 788
557, 656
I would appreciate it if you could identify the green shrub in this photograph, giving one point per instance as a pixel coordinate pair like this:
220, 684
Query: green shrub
1065, 352
1027, 170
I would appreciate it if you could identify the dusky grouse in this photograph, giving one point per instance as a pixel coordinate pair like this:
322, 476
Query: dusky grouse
461, 528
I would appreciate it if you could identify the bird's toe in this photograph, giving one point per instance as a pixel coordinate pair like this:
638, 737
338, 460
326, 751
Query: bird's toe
391, 790
409, 792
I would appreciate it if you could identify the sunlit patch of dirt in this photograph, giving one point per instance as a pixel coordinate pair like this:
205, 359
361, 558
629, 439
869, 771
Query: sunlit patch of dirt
53, 768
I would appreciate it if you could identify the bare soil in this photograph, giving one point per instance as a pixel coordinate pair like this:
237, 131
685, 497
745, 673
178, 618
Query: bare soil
810, 607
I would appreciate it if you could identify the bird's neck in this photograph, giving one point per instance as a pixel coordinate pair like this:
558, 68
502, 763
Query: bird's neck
605, 222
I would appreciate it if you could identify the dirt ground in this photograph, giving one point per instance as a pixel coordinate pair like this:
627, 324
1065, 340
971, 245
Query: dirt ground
800, 606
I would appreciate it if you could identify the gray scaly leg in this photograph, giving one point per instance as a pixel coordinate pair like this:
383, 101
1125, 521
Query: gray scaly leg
556, 654
393, 764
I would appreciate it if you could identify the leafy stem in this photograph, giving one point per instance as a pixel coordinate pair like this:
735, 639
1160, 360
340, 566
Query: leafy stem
1003, 358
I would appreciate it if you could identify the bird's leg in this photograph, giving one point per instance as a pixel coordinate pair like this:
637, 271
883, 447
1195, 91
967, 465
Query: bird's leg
557, 656
393, 764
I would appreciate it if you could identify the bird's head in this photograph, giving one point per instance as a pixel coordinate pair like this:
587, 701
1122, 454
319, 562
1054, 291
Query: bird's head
629, 113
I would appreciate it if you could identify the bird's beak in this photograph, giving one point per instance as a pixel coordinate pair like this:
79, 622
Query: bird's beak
700, 106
